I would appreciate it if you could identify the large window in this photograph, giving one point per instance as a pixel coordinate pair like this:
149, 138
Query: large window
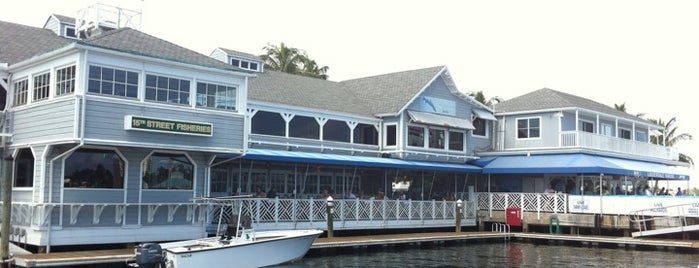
24, 168
437, 138
94, 168
268, 123
304, 127
41, 86
480, 126
335, 130
216, 96
528, 128
167, 89
168, 171
456, 141
416, 136
115, 82
366, 134
65, 80
21, 92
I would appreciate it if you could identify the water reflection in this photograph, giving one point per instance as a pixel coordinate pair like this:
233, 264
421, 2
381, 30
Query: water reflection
497, 255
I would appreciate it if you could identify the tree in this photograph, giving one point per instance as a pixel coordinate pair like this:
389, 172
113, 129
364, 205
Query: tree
480, 97
292, 60
620, 107
670, 137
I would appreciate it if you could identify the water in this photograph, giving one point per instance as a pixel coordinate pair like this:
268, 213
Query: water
489, 254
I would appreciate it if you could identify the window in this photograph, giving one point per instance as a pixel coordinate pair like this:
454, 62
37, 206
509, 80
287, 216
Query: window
235, 62
607, 130
436, 138
528, 128
456, 141
335, 130
641, 136
216, 96
587, 126
94, 168
24, 168
253, 66
304, 127
390, 135
115, 82
168, 171
366, 134
41, 86
65, 80
480, 125
268, 123
167, 89
624, 133
416, 136
70, 32
21, 92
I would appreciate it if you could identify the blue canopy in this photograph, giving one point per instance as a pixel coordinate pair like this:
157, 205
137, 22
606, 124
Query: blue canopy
580, 163
349, 160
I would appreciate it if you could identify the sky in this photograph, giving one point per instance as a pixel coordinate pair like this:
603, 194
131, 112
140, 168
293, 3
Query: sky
644, 54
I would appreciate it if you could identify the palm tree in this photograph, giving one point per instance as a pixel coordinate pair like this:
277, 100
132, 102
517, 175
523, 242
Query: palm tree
480, 97
620, 107
282, 58
292, 60
670, 138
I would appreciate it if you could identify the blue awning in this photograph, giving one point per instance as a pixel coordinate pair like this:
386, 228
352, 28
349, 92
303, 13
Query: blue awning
580, 163
360, 161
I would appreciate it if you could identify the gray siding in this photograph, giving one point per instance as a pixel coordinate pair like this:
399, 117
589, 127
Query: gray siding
44, 122
54, 25
105, 122
220, 55
548, 129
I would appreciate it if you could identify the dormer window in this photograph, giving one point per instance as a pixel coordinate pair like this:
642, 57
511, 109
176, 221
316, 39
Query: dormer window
69, 31
245, 64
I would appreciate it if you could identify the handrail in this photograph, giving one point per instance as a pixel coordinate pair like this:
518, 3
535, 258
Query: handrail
642, 217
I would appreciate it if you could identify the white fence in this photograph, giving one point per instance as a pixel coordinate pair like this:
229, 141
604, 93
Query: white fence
590, 140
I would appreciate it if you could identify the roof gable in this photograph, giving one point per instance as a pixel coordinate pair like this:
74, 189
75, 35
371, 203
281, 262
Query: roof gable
240, 54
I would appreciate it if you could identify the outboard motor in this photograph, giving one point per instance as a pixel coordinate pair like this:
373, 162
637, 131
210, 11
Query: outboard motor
149, 255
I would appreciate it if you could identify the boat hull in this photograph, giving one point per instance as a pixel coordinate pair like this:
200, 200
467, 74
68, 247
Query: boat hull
267, 248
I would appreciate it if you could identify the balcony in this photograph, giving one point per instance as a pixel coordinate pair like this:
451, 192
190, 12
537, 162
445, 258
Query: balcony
586, 140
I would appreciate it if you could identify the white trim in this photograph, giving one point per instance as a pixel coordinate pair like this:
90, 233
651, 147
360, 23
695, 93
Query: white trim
516, 128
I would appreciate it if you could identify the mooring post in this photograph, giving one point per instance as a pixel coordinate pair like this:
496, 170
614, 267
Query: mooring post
329, 211
459, 207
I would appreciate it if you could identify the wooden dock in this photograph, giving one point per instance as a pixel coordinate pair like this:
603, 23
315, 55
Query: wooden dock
127, 255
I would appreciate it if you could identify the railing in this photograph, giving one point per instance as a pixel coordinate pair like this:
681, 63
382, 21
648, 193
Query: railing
602, 142
268, 213
672, 216
533, 202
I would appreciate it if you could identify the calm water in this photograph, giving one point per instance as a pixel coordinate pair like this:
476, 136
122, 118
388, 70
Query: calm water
489, 254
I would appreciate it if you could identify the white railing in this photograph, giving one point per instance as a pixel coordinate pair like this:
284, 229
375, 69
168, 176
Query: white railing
532, 202
673, 216
268, 213
602, 142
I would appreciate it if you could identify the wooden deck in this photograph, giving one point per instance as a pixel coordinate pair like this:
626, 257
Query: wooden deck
125, 255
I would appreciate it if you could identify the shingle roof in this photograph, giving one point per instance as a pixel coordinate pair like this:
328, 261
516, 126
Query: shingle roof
19, 42
296, 90
369, 96
64, 19
388, 93
244, 55
546, 98
135, 42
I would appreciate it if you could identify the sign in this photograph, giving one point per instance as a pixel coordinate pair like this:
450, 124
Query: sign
167, 126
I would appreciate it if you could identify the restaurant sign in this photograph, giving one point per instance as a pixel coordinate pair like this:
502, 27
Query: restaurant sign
132, 122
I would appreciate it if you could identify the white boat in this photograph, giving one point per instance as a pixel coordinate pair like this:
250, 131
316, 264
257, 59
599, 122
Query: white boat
242, 248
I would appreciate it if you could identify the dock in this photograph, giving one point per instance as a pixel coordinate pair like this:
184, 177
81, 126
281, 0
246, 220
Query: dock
323, 243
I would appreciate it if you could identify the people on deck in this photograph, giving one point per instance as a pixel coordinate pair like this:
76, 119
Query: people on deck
272, 193
550, 190
679, 191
